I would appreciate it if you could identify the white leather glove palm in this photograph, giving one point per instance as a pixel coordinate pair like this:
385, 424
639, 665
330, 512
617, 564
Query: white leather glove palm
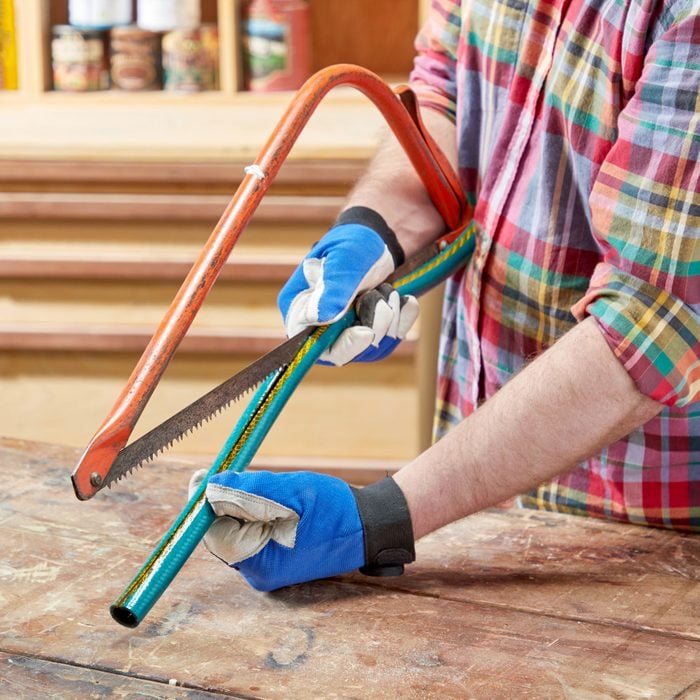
247, 521
383, 321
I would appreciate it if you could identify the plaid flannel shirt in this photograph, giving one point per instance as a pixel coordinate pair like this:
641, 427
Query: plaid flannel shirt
578, 124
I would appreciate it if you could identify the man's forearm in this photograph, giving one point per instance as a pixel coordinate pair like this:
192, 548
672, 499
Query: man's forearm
564, 407
561, 409
392, 187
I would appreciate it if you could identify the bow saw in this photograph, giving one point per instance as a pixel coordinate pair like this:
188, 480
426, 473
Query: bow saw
108, 458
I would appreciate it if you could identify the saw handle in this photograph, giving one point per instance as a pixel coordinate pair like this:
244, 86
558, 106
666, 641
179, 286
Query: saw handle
442, 259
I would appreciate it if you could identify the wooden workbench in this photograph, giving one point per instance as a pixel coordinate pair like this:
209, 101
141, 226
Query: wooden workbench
505, 604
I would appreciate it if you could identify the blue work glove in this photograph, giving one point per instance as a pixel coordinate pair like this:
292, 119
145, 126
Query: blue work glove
279, 529
358, 253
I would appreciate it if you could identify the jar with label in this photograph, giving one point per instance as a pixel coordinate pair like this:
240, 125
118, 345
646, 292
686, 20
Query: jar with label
99, 14
135, 59
191, 59
276, 44
78, 59
166, 15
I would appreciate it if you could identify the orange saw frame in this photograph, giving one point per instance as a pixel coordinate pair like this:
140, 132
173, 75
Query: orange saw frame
400, 110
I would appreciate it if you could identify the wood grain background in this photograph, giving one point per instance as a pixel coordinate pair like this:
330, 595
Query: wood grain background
503, 604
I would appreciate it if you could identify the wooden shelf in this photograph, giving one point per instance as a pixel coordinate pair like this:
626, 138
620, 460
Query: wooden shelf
265, 268
333, 175
37, 123
157, 207
133, 338
100, 129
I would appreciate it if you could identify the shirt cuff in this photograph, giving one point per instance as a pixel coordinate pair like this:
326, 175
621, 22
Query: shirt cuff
655, 335
430, 97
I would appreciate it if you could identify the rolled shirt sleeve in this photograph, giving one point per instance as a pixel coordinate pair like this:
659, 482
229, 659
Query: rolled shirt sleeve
645, 208
433, 78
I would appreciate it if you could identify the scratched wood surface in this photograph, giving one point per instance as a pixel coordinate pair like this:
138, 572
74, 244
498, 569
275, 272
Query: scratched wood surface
503, 604
34, 677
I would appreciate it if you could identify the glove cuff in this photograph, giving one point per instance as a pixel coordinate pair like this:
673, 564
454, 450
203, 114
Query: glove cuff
387, 527
372, 219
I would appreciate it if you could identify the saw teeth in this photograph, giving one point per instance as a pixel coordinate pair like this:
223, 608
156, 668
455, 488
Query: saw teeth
143, 450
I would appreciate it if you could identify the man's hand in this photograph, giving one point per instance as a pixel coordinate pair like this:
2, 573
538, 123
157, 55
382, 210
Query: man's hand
355, 256
282, 529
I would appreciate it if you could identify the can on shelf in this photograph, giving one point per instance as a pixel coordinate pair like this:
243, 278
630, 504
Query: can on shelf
191, 59
99, 14
135, 59
276, 44
78, 59
166, 15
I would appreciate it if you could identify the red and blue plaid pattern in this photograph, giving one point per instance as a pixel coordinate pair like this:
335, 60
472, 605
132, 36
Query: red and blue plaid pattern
579, 141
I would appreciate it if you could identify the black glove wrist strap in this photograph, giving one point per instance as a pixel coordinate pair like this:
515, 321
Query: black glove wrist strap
388, 531
374, 220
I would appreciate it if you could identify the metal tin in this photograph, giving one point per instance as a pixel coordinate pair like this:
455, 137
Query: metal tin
99, 14
276, 44
166, 15
191, 59
135, 59
78, 59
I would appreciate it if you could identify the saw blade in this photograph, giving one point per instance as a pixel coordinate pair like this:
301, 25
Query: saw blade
189, 418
